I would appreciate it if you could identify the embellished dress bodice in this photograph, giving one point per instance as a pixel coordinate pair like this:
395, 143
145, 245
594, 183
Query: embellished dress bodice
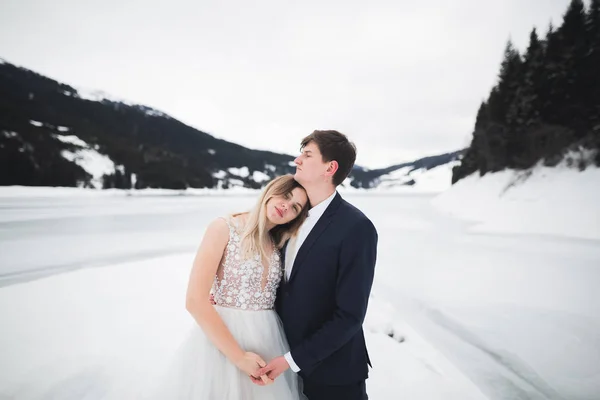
246, 284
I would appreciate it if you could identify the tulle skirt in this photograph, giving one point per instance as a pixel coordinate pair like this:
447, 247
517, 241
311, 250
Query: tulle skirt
197, 370
200, 371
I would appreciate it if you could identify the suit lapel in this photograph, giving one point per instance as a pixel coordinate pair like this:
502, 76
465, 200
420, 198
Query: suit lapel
282, 258
314, 234
282, 252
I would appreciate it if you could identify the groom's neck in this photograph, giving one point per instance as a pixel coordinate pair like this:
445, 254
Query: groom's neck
318, 194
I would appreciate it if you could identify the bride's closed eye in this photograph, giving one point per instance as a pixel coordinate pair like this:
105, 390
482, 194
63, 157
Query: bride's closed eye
296, 207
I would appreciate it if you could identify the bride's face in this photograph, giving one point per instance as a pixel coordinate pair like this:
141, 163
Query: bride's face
283, 209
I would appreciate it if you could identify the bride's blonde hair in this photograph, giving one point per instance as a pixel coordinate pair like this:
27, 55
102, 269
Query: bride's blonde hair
255, 236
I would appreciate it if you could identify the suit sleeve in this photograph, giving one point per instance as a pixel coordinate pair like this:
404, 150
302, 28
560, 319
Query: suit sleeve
354, 281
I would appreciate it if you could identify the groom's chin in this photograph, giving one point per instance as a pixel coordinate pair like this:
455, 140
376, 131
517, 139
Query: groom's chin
298, 178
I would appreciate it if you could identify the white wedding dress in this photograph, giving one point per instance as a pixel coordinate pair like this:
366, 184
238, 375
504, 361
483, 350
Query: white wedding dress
244, 292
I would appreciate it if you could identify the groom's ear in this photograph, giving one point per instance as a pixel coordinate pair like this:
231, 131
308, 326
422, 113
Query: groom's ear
332, 168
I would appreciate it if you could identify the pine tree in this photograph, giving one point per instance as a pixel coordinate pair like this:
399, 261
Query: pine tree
482, 120
494, 106
127, 178
108, 181
592, 65
572, 37
509, 79
119, 181
526, 109
554, 74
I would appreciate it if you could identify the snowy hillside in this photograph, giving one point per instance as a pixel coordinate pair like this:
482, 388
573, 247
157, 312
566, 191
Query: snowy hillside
551, 201
433, 180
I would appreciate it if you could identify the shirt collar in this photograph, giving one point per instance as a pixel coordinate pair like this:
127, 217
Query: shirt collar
320, 208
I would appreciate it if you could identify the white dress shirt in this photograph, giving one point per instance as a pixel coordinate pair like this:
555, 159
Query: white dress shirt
314, 214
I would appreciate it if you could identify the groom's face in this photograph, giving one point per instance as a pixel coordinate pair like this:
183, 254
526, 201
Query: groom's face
309, 165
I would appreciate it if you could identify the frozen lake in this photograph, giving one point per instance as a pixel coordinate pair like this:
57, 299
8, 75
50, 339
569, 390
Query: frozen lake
517, 313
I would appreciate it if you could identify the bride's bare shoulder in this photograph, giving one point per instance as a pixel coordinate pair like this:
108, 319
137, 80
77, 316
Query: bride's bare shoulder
218, 228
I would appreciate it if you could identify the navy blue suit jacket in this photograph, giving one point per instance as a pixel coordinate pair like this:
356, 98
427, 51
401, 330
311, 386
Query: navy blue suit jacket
323, 304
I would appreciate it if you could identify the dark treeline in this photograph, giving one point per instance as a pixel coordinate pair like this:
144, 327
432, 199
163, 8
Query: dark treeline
149, 149
546, 101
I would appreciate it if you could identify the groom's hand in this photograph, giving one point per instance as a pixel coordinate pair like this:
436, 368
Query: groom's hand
263, 380
276, 367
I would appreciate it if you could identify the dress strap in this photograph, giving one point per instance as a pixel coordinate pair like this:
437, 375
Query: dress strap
234, 228
227, 221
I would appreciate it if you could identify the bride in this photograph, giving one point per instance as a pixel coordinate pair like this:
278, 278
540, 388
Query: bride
238, 262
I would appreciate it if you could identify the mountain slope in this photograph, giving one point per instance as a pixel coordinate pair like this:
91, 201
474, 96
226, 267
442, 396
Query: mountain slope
405, 174
37, 113
52, 134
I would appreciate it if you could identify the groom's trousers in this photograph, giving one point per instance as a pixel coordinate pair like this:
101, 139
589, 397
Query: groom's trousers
356, 391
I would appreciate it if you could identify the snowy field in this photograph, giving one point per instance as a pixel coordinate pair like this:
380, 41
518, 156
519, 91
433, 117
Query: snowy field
480, 292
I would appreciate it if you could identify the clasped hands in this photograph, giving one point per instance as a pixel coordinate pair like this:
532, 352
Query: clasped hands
259, 371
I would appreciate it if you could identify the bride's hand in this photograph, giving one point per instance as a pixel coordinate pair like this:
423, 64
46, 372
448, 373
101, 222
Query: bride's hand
250, 363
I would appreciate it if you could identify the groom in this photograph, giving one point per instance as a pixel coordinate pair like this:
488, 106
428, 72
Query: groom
329, 267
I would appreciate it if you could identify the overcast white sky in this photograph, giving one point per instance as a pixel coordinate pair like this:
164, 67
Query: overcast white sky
402, 79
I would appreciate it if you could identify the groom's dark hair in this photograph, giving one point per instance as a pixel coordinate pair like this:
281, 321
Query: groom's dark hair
334, 146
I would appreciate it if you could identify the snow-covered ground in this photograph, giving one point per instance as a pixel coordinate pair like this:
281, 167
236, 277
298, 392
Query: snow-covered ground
464, 306
548, 201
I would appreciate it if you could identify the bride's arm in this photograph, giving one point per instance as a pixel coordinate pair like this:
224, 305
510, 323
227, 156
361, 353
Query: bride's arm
202, 276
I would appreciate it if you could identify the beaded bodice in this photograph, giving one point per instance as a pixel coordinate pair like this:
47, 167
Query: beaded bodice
246, 284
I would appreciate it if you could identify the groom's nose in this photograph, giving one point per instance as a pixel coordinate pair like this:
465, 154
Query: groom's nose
297, 161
